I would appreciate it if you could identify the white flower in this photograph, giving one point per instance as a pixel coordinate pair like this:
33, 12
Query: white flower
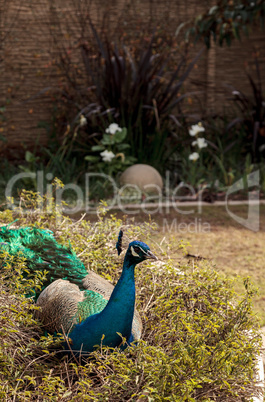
196, 129
113, 127
82, 121
194, 156
201, 142
107, 156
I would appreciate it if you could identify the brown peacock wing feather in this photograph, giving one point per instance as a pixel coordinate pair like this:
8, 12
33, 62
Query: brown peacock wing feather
63, 305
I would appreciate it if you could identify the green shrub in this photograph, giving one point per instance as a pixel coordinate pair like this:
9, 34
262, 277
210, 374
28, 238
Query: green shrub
199, 339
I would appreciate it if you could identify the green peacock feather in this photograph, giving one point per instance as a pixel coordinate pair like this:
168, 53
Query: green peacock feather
42, 253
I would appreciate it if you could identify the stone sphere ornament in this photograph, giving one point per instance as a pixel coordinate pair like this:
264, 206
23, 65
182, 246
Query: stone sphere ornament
146, 178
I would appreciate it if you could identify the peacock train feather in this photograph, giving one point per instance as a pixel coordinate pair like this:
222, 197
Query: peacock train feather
75, 301
42, 253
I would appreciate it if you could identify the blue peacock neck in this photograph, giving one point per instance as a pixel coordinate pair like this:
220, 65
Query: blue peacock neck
119, 311
116, 317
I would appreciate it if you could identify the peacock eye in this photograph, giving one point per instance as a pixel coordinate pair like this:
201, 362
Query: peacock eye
137, 249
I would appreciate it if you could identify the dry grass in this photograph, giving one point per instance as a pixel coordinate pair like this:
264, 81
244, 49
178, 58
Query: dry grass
233, 249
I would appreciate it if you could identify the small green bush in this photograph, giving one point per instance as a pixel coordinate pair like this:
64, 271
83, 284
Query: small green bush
199, 343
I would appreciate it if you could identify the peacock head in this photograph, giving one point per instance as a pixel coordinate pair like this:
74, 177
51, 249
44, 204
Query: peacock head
139, 251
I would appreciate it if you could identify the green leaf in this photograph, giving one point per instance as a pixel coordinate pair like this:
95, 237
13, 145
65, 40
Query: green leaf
235, 30
213, 10
107, 139
122, 147
92, 158
179, 28
120, 136
97, 148
29, 156
130, 160
67, 394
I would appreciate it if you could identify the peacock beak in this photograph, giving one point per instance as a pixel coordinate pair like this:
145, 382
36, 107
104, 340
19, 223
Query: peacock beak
150, 256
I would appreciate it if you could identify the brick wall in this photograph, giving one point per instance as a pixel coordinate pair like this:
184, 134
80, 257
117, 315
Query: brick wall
28, 75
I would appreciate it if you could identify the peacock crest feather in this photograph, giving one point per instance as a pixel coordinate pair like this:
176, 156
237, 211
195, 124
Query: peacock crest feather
119, 242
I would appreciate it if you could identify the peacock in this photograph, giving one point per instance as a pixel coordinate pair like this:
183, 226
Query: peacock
77, 302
